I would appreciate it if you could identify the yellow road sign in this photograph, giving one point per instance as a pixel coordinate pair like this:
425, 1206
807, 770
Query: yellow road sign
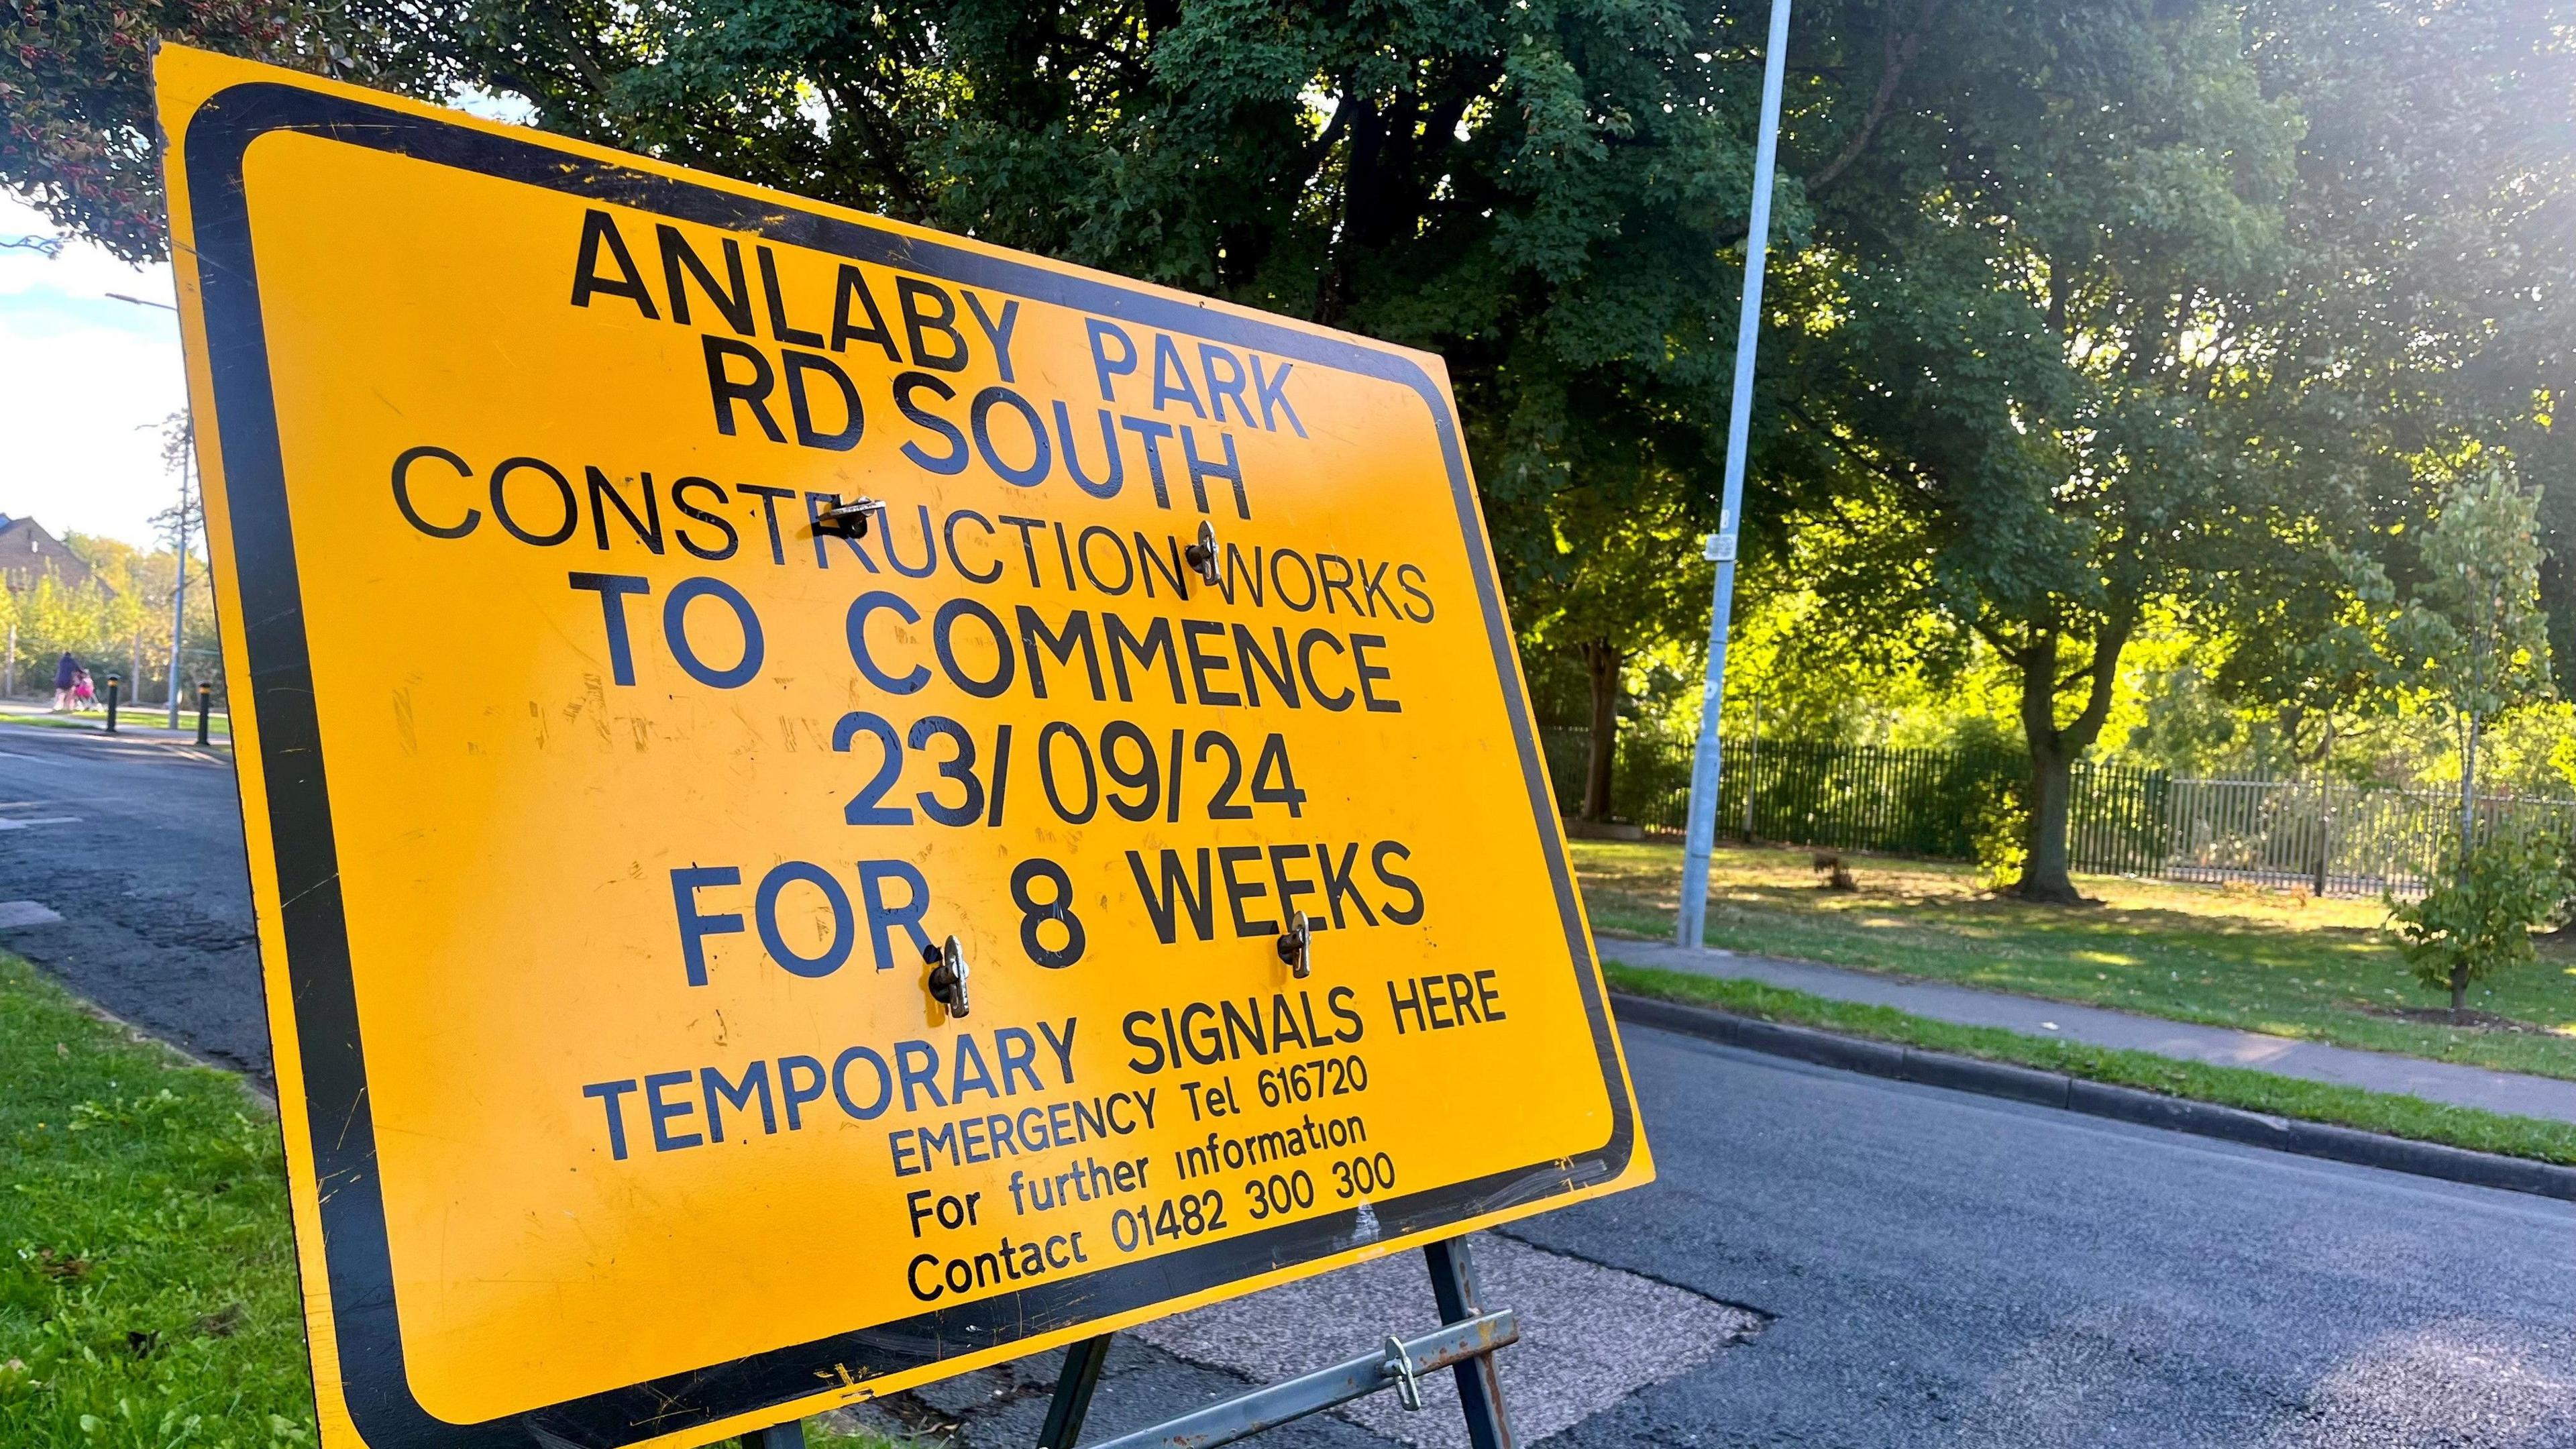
731, 951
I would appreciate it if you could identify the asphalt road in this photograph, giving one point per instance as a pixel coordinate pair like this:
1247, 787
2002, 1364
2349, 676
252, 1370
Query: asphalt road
1935, 1269
1939, 1269
1944, 1269
149, 879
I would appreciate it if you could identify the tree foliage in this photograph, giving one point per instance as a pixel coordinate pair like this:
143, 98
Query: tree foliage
77, 128
1625, 576
1539, 192
2472, 637
2424, 320
119, 624
2161, 322
2477, 919
2031, 416
2082, 315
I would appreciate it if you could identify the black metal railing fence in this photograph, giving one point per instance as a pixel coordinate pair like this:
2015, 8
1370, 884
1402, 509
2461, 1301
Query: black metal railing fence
2333, 838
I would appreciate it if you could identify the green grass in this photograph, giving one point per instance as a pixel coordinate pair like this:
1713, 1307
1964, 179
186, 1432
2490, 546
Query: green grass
147, 1282
147, 1276
217, 726
820, 1434
2228, 1086
2257, 961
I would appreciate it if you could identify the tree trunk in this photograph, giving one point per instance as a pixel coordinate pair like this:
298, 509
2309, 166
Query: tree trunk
2469, 782
1602, 662
2054, 748
2468, 834
2052, 786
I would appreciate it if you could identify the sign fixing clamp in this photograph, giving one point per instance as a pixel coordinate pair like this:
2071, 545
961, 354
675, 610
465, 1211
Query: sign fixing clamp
1399, 1369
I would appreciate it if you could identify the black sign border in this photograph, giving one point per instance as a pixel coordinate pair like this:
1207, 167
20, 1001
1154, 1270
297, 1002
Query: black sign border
338, 1118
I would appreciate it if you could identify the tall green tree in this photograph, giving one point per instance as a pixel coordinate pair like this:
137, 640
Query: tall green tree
1549, 194
1541, 192
2036, 392
2424, 314
2473, 636
1626, 579
2164, 306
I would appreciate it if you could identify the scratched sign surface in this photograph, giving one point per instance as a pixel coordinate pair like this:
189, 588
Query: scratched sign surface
609, 800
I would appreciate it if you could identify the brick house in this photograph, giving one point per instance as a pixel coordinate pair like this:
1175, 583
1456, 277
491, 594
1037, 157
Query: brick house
28, 553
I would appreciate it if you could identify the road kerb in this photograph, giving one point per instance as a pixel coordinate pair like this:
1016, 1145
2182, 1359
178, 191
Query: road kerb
2098, 1099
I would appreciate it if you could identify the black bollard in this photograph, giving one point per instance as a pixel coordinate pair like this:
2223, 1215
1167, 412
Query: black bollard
112, 683
205, 702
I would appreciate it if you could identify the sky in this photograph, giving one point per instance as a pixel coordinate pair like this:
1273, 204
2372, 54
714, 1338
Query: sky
85, 382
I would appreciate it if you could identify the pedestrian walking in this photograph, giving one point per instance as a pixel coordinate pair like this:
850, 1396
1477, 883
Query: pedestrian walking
84, 695
65, 671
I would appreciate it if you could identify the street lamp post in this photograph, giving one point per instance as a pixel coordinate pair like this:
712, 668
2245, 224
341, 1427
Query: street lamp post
179, 591
1702, 835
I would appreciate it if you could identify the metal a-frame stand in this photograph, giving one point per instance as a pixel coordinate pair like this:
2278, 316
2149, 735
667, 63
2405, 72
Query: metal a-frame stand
1464, 1344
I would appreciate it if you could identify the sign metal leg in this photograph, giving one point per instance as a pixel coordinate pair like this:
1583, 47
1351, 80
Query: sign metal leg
1480, 1389
790, 1435
1072, 1402
1465, 1343
1397, 1366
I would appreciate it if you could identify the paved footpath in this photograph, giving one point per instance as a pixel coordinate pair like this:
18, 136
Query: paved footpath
2460, 1086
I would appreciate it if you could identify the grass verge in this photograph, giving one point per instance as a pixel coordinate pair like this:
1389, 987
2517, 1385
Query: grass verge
148, 1294
2381, 1112
95, 722
2264, 961
147, 1280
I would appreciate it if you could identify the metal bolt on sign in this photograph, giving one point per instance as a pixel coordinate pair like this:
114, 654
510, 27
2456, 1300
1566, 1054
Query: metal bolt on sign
948, 976
1297, 944
848, 520
1202, 554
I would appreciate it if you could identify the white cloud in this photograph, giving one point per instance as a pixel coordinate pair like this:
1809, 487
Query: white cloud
84, 384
